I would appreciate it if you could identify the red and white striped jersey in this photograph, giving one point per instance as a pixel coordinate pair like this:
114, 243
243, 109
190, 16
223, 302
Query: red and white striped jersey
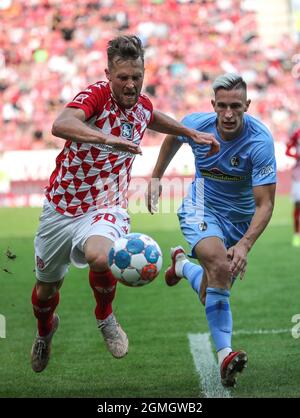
91, 176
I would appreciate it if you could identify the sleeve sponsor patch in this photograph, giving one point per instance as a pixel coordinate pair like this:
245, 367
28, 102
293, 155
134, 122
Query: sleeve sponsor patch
265, 171
80, 98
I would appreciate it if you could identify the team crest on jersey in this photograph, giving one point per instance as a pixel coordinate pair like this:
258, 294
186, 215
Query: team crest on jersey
235, 161
127, 130
40, 263
203, 226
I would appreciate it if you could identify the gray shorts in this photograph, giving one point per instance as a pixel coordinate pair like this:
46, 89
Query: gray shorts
60, 239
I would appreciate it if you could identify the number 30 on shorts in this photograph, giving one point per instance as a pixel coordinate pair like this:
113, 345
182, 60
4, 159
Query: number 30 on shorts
108, 217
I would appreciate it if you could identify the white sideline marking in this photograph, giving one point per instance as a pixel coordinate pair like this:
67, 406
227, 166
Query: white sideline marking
206, 364
2, 326
262, 331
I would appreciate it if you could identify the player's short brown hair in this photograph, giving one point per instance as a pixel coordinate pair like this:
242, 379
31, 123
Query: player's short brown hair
126, 48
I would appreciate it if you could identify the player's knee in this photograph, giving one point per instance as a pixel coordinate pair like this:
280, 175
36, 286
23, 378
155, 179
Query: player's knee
46, 291
219, 274
98, 262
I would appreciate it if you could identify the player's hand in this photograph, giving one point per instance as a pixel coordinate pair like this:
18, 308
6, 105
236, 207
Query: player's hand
203, 138
123, 145
238, 260
153, 192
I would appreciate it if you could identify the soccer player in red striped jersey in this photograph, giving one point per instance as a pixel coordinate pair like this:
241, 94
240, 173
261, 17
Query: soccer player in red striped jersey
86, 199
293, 150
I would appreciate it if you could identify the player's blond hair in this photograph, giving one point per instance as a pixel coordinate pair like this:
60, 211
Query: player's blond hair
229, 81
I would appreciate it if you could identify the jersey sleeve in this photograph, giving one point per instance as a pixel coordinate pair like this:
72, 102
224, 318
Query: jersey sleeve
91, 100
264, 163
148, 106
198, 121
189, 122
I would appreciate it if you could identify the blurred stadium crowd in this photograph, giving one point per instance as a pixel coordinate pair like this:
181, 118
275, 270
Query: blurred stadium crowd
51, 49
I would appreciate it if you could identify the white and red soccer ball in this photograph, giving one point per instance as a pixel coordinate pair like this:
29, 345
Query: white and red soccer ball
135, 259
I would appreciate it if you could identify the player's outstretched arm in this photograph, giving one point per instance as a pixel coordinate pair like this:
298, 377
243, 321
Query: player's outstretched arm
264, 200
70, 125
167, 125
167, 151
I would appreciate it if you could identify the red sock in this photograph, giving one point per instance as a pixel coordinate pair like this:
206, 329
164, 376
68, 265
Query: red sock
104, 288
43, 311
296, 220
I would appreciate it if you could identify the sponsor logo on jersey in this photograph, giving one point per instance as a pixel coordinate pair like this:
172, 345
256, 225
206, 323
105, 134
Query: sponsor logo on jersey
127, 130
235, 161
217, 174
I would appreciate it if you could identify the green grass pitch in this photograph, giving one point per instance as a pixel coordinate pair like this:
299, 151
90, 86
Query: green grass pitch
156, 318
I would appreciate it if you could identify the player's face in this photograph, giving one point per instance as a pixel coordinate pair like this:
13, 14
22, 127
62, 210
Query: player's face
126, 80
230, 106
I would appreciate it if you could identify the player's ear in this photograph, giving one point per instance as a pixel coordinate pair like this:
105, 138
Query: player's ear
107, 74
213, 103
247, 105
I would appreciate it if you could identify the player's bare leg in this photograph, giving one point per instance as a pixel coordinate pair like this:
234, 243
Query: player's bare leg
104, 284
203, 288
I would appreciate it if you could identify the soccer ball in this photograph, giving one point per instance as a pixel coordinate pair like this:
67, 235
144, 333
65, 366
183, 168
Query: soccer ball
135, 259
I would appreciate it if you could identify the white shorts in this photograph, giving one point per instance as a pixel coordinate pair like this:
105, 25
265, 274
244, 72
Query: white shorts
60, 239
296, 191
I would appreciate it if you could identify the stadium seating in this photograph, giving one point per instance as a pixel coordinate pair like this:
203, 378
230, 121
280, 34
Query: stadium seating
49, 50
